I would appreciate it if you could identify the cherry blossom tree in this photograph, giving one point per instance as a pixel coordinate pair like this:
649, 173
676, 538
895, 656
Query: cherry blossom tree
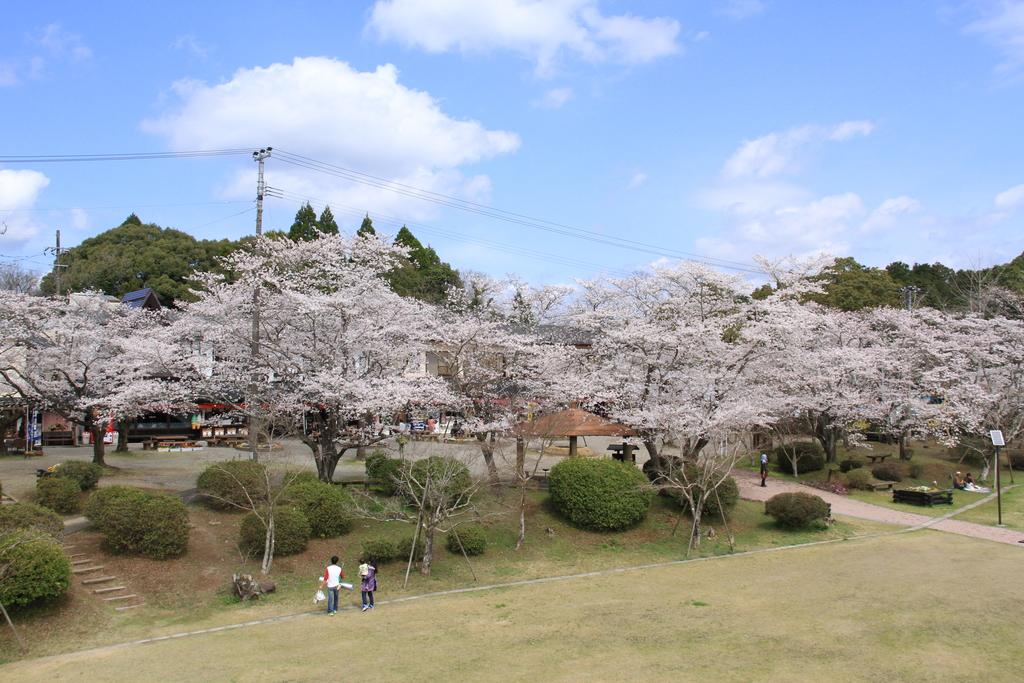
86, 358
337, 347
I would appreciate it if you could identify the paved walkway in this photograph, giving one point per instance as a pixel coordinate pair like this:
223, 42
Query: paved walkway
750, 489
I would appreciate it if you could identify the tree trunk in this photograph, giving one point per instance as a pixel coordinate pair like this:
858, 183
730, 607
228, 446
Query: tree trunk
268, 543
361, 452
486, 440
122, 436
326, 455
521, 458
428, 550
828, 437
97, 444
522, 515
904, 450
694, 543
655, 457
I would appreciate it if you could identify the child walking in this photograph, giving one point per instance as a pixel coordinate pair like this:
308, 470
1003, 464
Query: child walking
368, 574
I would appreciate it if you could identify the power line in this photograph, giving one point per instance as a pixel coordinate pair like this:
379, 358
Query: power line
504, 215
451, 234
127, 156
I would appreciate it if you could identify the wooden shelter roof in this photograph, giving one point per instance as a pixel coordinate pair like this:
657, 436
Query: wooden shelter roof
573, 422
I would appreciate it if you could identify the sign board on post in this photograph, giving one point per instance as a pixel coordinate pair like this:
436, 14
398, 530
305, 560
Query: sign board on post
997, 437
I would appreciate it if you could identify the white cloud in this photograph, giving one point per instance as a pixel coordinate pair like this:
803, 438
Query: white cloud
190, 44
1002, 24
554, 98
778, 152
889, 213
324, 109
18, 193
61, 44
742, 9
8, 73
1011, 198
79, 219
638, 179
540, 30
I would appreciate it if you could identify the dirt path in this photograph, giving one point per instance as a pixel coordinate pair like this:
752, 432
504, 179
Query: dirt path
750, 489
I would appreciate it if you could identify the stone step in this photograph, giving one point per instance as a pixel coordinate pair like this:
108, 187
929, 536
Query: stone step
120, 597
74, 555
85, 570
99, 579
86, 561
121, 609
109, 590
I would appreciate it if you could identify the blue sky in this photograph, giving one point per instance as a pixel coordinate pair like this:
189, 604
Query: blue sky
882, 130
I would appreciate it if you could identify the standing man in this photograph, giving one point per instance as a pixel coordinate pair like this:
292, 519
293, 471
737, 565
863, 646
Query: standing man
332, 581
764, 468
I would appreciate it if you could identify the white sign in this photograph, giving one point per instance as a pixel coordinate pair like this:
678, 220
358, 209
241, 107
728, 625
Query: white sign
997, 437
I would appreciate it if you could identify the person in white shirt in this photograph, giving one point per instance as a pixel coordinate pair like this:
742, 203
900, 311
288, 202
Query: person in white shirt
331, 580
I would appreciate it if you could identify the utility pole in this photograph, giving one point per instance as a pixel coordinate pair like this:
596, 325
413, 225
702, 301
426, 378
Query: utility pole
259, 156
57, 265
910, 293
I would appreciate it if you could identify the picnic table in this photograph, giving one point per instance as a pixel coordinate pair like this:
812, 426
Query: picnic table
621, 451
878, 457
930, 497
178, 442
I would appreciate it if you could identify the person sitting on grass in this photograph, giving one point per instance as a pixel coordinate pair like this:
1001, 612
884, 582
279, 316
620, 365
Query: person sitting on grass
958, 481
969, 485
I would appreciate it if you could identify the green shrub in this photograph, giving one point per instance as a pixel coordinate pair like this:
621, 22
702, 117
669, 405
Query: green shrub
859, 479
291, 532
28, 516
809, 457
796, 510
472, 536
136, 522
37, 568
437, 468
224, 484
1016, 459
404, 547
599, 494
87, 474
327, 507
916, 470
59, 494
382, 550
887, 471
850, 464
383, 471
303, 477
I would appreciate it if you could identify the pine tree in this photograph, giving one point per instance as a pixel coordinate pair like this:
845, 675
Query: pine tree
327, 224
305, 226
132, 220
366, 228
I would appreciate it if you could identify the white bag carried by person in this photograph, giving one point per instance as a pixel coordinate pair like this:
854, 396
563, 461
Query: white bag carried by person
319, 597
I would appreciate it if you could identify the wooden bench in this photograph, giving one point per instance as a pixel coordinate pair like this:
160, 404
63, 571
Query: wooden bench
154, 442
878, 457
353, 480
881, 485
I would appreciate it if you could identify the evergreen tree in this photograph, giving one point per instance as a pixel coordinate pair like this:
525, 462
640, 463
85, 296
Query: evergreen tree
132, 220
366, 228
422, 274
305, 225
327, 223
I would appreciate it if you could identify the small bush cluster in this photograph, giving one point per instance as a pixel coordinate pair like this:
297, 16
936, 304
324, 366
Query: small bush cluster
27, 516
383, 471
60, 494
859, 479
36, 568
809, 457
327, 508
382, 550
472, 536
916, 470
437, 468
1016, 459
404, 548
136, 522
796, 510
86, 474
887, 471
291, 532
850, 464
224, 484
604, 495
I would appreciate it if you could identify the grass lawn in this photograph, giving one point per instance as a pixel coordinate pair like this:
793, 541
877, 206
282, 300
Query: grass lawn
1013, 508
816, 613
192, 591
